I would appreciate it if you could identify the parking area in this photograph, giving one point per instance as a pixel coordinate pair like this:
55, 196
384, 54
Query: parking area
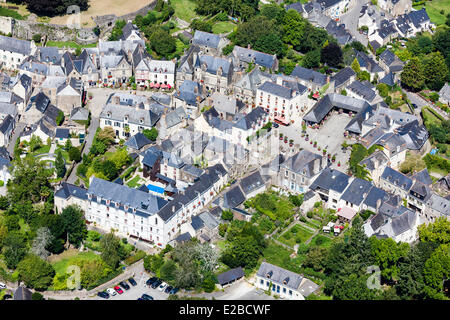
137, 291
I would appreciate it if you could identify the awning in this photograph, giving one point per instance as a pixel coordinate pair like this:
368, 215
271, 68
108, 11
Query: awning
156, 85
151, 85
281, 121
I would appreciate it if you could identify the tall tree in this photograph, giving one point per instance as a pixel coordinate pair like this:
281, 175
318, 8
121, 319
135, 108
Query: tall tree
112, 251
74, 225
412, 76
60, 165
36, 272
435, 71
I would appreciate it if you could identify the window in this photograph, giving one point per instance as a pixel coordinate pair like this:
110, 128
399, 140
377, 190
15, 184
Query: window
290, 292
284, 290
261, 281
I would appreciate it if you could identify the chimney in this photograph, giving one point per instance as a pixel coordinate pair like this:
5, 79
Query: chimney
249, 46
280, 81
196, 89
116, 99
316, 165
173, 208
367, 115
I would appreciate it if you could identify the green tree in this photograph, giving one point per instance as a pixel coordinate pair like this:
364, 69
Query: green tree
151, 134
60, 165
168, 271
227, 215
35, 272
435, 71
436, 271
74, 225
311, 59
109, 169
355, 66
35, 143
74, 154
111, 250
162, 42
412, 76
438, 231
332, 55
60, 117
14, 248
387, 254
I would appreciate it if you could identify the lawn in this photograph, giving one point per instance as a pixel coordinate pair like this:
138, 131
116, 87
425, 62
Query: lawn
5, 12
43, 149
280, 256
133, 183
296, 234
70, 44
185, 10
61, 265
313, 223
321, 241
223, 27
434, 8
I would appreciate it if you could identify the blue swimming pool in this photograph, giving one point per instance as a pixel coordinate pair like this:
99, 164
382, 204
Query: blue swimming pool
155, 188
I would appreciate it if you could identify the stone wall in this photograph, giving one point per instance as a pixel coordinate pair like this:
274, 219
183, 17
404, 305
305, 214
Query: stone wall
6, 25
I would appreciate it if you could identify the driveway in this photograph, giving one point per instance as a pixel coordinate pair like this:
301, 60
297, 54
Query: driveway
350, 19
420, 102
17, 131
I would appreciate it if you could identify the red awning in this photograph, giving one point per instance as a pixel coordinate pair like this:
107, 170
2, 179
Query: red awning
156, 85
281, 121
169, 86
151, 85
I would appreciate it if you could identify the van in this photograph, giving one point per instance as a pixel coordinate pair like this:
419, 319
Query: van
2, 286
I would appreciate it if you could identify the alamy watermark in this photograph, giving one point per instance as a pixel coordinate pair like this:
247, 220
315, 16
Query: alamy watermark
374, 280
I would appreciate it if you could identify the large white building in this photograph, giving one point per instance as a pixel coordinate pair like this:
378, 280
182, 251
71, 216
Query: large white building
155, 73
283, 103
14, 51
138, 214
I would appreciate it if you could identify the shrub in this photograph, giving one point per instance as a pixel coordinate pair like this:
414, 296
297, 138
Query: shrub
2, 183
135, 258
222, 16
310, 214
37, 296
74, 154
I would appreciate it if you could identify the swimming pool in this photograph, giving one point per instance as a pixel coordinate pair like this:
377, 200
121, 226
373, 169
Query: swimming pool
154, 188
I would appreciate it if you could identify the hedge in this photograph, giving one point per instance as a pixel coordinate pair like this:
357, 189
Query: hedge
135, 258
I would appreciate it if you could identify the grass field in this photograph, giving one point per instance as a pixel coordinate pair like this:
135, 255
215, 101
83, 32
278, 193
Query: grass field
434, 8
223, 27
60, 266
321, 241
185, 9
296, 234
5, 12
280, 256
70, 44
133, 183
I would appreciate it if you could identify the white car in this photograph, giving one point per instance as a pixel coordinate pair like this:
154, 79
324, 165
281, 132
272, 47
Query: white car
162, 286
111, 291
2, 286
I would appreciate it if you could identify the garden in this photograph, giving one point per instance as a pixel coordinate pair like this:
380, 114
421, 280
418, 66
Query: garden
296, 235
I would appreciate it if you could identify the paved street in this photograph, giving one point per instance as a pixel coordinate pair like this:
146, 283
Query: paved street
17, 131
350, 19
420, 102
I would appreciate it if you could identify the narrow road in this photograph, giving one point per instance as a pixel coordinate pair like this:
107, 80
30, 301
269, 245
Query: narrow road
89, 139
17, 131
421, 102
350, 19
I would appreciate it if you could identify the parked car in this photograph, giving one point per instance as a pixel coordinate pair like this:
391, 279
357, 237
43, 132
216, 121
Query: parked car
118, 289
162, 286
103, 294
174, 291
168, 289
156, 284
150, 281
2, 286
132, 281
414, 105
124, 285
146, 297
140, 299
276, 125
111, 291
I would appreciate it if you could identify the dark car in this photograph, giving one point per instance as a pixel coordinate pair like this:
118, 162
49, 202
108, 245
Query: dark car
146, 297
124, 285
174, 290
140, 299
132, 281
150, 281
103, 294
414, 105
168, 289
156, 284
276, 125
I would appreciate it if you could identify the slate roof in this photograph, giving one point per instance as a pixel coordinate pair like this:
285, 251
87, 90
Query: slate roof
403, 223
79, 113
279, 275
303, 163
397, 178
423, 176
127, 30
277, 90
376, 159
339, 32
374, 195
189, 91
445, 92
118, 112
357, 191
137, 141
417, 17
440, 204
62, 133
211, 176
309, 75
361, 90
391, 60
40, 101
183, 237
15, 45
206, 39
388, 79
145, 204
367, 62
342, 76
209, 220
415, 134
251, 118
295, 6
67, 190
7, 124
49, 54
175, 117
230, 275
330, 179
257, 57
213, 64
252, 182
25, 81
197, 223
233, 198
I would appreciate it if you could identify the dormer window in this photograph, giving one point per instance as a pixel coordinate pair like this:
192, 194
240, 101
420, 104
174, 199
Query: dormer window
108, 114
286, 280
126, 118
141, 120
269, 274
